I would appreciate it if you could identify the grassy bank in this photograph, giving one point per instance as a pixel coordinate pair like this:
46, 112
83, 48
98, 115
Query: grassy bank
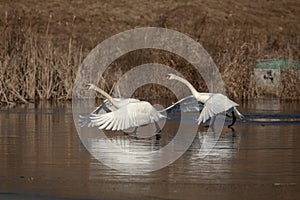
40, 54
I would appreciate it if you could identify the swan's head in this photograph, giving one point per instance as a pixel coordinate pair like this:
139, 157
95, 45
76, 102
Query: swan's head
169, 77
89, 86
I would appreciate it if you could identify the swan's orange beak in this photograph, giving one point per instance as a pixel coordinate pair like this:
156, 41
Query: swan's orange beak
166, 77
86, 87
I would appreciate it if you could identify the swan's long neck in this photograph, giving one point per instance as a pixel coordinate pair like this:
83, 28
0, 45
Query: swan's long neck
188, 84
107, 96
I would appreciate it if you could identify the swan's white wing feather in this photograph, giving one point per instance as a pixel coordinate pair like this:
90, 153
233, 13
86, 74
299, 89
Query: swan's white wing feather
131, 115
216, 104
103, 108
187, 104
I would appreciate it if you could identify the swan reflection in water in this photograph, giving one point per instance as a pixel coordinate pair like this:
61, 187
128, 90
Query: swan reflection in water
129, 151
208, 144
126, 153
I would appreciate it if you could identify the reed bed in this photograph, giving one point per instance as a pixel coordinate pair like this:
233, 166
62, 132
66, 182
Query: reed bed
33, 66
234, 52
240, 49
36, 65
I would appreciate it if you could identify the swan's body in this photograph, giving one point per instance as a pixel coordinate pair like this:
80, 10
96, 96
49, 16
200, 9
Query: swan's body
121, 114
214, 103
131, 115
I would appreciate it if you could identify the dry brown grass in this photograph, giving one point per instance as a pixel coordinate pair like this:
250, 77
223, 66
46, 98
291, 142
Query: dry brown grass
291, 83
234, 52
32, 66
239, 51
40, 53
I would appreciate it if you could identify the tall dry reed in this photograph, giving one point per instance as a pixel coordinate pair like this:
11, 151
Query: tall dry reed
32, 66
35, 64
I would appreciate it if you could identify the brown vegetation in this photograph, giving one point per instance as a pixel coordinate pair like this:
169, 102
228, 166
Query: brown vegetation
32, 67
42, 47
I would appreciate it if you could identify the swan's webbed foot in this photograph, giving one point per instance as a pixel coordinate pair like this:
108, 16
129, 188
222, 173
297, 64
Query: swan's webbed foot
233, 133
157, 136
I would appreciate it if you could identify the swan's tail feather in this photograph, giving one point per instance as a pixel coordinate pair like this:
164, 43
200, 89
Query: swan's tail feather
238, 114
162, 115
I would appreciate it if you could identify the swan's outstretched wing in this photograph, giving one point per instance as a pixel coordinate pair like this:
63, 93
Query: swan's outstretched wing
216, 104
105, 107
131, 115
186, 104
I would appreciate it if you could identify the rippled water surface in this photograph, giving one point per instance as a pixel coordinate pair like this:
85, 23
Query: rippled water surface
41, 156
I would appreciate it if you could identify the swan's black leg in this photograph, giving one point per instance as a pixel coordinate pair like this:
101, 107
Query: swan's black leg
158, 130
233, 134
227, 115
157, 136
233, 119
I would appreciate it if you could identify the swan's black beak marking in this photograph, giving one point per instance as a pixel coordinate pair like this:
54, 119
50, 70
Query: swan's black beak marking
166, 77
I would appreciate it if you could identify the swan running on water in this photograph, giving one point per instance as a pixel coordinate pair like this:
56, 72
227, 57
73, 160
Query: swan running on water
109, 104
214, 103
123, 113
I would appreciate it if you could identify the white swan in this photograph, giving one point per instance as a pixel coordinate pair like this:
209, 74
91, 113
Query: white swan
214, 103
108, 105
123, 114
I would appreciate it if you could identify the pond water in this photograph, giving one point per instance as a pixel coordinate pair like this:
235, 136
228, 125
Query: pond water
41, 156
